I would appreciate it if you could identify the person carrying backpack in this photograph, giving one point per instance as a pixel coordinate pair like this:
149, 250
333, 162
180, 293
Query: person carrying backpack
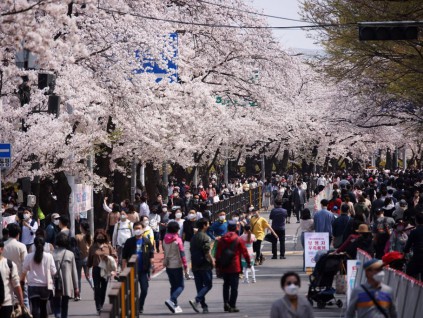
9, 281
230, 249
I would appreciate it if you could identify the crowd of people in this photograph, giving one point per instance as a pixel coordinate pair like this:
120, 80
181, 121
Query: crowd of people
381, 214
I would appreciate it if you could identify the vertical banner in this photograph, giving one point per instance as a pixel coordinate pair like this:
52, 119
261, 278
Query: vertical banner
352, 266
313, 243
82, 204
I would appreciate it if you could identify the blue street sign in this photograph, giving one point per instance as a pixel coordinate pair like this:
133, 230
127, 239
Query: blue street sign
5, 151
169, 69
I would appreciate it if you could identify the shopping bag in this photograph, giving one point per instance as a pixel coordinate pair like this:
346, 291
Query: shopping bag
341, 284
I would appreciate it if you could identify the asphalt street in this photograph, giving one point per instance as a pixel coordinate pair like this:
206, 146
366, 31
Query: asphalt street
254, 300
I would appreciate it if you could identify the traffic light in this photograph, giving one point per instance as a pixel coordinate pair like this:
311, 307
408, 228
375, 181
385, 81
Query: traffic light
388, 31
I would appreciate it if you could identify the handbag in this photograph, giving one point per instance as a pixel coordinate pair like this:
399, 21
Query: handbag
269, 237
20, 312
57, 279
341, 281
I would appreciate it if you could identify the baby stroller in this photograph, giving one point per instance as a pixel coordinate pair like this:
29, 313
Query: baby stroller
321, 280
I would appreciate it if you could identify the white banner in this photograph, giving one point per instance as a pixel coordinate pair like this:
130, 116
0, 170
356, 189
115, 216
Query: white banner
82, 197
8, 219
313, 243
352, 266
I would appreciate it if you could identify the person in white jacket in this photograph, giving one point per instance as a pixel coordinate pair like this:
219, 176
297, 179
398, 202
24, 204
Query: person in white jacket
122, 231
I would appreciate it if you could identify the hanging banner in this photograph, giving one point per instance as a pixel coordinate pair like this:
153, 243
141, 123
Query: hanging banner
83, 193
352, 266
314, 242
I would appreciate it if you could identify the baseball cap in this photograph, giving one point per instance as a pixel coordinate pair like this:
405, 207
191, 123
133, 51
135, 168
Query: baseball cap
373, 264
55, 216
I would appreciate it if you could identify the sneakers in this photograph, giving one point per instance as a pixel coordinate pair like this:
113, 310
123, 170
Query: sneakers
205, 310
246, 281
194, 305
226, 307
254, 280
234, 309
170, 305
178, 310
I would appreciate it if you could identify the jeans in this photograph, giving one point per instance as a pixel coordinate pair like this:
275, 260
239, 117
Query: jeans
203, 284
82, 264
281, 235
176, 280
157, 240
38, 297
60, 306
257, 250
143, 280
100, 287
230, 288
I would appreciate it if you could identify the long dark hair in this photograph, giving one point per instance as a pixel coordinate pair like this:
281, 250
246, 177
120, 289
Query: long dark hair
247, 228
39, 249
86, 226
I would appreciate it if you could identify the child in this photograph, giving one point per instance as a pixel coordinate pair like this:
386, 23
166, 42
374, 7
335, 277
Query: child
248, 238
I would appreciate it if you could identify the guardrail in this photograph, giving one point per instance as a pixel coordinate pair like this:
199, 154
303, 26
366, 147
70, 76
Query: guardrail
123, 295
239, 202
408, 291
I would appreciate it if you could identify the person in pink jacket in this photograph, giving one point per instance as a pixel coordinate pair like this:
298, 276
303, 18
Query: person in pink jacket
176, 265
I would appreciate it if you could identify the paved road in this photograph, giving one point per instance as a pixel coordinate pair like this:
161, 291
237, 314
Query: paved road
254, 300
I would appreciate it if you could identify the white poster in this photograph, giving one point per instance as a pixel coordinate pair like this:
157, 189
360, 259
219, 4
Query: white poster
313, 243
352, 265
83, 195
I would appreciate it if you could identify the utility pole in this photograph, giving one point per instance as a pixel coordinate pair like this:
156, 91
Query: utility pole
263, 168
91, 211
133, 179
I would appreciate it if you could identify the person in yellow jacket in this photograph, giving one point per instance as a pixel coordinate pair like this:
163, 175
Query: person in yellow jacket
258, 227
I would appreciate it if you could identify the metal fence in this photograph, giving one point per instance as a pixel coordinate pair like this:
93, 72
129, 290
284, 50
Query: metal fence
236, 203
408, 291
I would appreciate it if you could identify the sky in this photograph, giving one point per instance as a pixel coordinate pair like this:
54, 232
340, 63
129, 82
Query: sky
296, 39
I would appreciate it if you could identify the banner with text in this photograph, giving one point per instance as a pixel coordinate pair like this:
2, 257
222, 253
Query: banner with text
314, 242
83, 193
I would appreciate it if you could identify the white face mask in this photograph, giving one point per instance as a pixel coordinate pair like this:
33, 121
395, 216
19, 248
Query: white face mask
191, 216
164, 210
222, 218
138, 232
123, 217
56, 222
291, 290
26, 216
236, 219
144, 223
379, 276
178, 215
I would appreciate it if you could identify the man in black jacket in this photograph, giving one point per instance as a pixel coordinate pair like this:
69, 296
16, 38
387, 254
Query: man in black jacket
415, 243
278, 216
145, 251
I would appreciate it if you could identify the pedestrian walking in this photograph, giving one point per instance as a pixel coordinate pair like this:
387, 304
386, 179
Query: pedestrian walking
121, 232
415, 244
29, 226
189, 227
323, 220
144, 249
372, 299
306, 224
176, 265
202, 265
9, 280
16, 252
154, 221
230, 249
292, 305
39, 268
249, 239
299, 199
53, 228
66, 267
84, 241
278, 216
258, 227
100, 251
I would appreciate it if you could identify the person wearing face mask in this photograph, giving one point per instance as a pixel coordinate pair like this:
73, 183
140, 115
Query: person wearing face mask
164, 219
141, 246
178, 219
372, 299
400, 209
99, 251
29, 227
154, 220
218, 227
397, 239
147, 230
293, 304
188, 231
258, 228
122, 231
53, 228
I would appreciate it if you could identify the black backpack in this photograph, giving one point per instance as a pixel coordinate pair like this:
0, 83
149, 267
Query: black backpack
2, 295
74, 248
